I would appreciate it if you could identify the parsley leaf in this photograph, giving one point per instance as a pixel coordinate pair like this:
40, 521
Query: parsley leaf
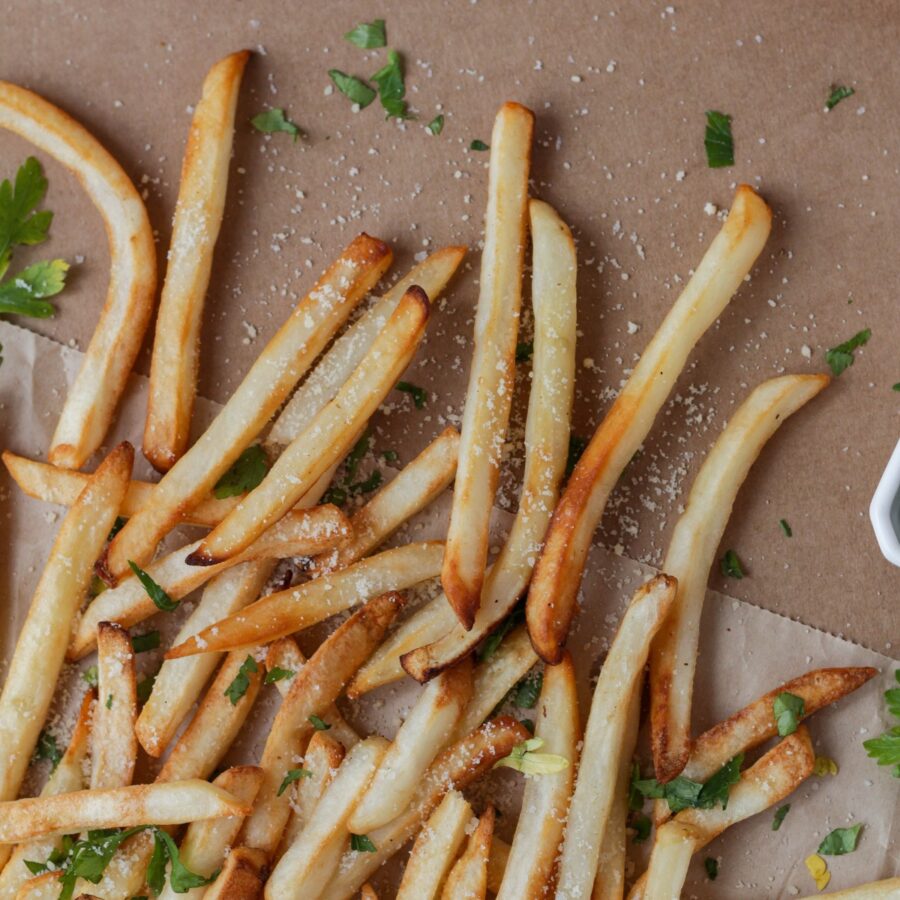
241, 681
840, 841
181, 878
118, 525
276, 673
436, 125
335, 495
524, 351
274, 120
25, 294
896, 387
718, 140
788, 710
356, 454
368, 35
141, 643
391, 88
354, 89
48, 748
145, 688
788, 531
526, 692
838, 92
292, 776
682, 793
524, 759
841, 357
319, 724
246, 472
418, 394
109, 701
641, 825
731, 565
885, 749
577, 446
361, 843
90, 676
479, 145
780, 813
490, 644
159, 597
711, 864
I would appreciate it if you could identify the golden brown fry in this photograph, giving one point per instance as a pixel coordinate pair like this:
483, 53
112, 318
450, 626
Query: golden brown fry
92, 399
41, 646
605, 736
496, 867
277, 369
172, 803
692, 550
468, 877
426, 731
328, 436
435, 849
546, 442
242, 877
195, 229
551, 600
535, 847
337, 365
313, 689
491, 376
301, 531
113, 743
297, 608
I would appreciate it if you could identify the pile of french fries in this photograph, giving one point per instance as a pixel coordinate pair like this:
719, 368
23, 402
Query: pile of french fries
324, 807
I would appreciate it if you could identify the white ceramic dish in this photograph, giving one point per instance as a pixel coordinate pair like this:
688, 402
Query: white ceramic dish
884, 510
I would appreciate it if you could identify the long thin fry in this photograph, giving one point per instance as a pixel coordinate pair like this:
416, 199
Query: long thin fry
468, 877
327, 438
313, 689
92, 399
529, 870
489, 394
435, 849
299, 532
546, 441
195, 228
41, 646
425, 732
337, 365
417, 485
311, 861
692, 550
162, 804
552, 598
604, 736
113, 743
277, 369
496, 867
297, 608
242, 877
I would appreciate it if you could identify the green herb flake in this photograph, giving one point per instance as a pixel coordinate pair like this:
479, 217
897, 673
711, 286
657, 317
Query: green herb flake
490, 644
718, 140
353, 88
181, 878
161, 600
273, 121
391, 87
641, 825
841, 357
292, 776
526, 692
524, 351
838, 92
885, 749
840, 841
731, 565
361, 843
896, 387
142, 643
368, 35
335, 495
788, 710
418, 394
145, 688
118, 525
90, 676
479, 145
783, 524
683, 793
48, 748
780, 813
525, 758
246, 473
276, 673
390, 456
319, 724
241, 682
436, 125
109, 701
711, 864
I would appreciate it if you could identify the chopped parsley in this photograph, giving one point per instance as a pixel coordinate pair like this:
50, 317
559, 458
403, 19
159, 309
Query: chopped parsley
246, 473
641, 825
292, 776
783, 524
339, 493
718, 140
682, 793
788, 710
274, 120
824, 765
525, 694
118, 525
390, 456
731, 565
353, 88
361, 843
436, 125
838, 92
141, 643
241, 681
780, 813
524, 351
418, 394
276, 673
48, 748
711, 864
841, 357
896, 387
90, 676
319, 724
885, 749
391, 87
160, 598
479, 145
368, 35
109, 701
840, 841
524, 759
490, 644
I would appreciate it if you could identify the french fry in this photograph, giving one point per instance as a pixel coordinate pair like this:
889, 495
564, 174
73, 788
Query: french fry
215, 724
173, 803
195, 228
242, 877
367, 892
605, 733
347, 352
301, 607
206, 844
68, 776
113, 743
41, 646
328, 436
417, 485
311, 861
468, 877
496, 676
300, 532
457, 767
765, 783
491, 376
692, 550
92, 399
435, 849
535, 847
425, 732
552, 598
546, 442
277, 369
496, 867
889, 889
429, 622
313, 689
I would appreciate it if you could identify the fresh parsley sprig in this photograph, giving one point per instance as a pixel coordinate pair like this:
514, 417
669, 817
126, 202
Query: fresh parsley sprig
788, 710
885, 749
246, 473
718, 140
683, 793
241, 682
841, 357
368, 35
525, 758
161, 600
838, 92
273, 120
